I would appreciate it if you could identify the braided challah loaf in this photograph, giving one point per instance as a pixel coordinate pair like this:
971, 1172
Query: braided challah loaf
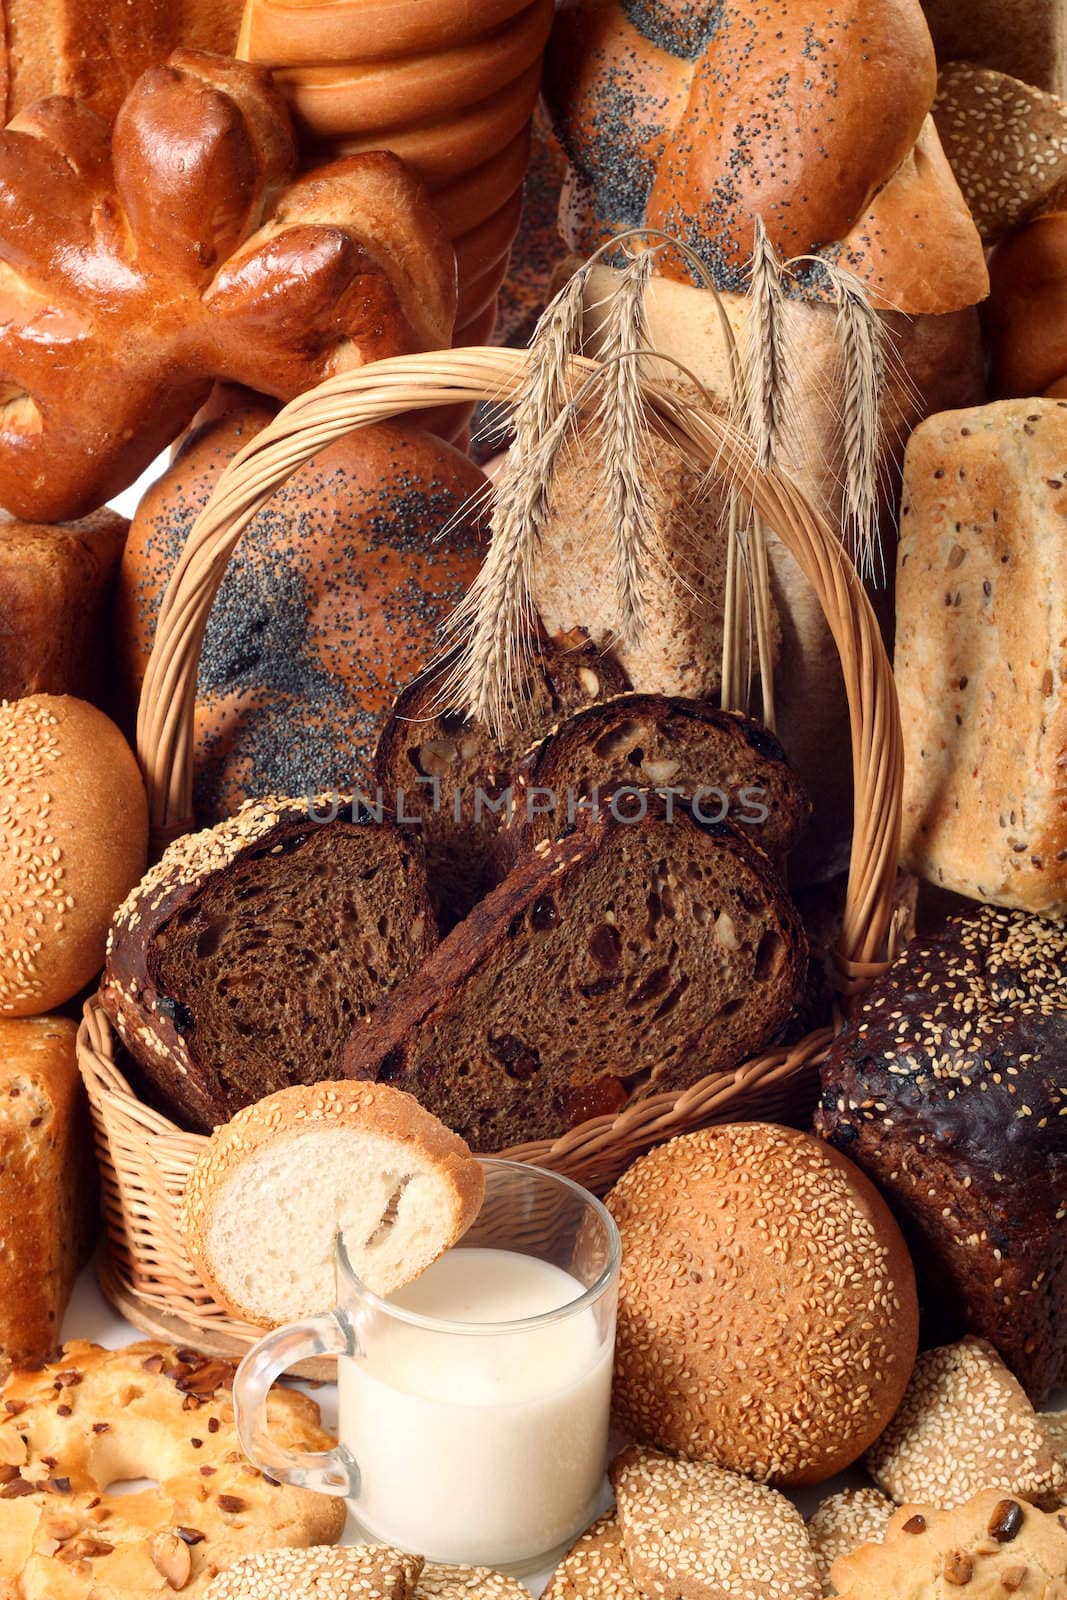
140, 266
449, 89
696, 119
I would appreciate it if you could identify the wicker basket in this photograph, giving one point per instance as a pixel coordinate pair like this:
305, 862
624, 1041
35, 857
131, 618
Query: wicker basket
145, 1159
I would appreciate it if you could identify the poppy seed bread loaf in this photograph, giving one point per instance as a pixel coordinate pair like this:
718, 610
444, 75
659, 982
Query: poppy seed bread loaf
948, 1088
768, 1320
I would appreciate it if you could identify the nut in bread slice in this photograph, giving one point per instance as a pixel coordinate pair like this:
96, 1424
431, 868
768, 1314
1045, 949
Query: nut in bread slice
268, 1197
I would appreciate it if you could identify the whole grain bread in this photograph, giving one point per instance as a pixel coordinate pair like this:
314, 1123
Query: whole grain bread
432, 763
635, 956
239, 963
731, 768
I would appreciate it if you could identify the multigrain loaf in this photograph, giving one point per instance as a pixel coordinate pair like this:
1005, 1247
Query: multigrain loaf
73, 840
362, 1161
981, 653
965, 1425
729, 766
988, 1549
768, 1319
947, 1087
238, 964
633, 957
694, 1532
432, 762
47, 1191
76, 1434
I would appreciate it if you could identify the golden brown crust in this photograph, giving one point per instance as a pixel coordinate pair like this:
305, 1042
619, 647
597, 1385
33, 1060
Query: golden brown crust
72, 844
367, 1108
47, 1186
270, 282
95, 1417
763, 1273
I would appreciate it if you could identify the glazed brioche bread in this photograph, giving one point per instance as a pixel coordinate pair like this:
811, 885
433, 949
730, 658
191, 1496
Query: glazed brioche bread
359, 1161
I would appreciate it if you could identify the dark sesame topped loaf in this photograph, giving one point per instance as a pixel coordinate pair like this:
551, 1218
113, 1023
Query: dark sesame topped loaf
633, 957
731, 766
949, 1087
239, 963
423, 741
331, 601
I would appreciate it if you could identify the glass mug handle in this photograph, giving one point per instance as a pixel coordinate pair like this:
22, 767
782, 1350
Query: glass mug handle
328, 1471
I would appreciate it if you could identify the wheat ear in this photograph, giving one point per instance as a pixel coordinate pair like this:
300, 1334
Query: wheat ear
861, 341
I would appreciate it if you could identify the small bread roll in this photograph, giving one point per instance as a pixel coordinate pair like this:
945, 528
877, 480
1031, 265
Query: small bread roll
73, 842
768, 1319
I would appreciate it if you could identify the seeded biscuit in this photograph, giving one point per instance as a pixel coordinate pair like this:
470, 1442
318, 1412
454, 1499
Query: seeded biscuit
964, 1425
467, 1583
596, 1569
365, 1572
842, 1523
693, 1531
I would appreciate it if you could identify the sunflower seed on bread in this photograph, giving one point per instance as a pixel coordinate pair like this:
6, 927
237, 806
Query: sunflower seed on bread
596, 1569
364, 1572
363, 1160
693, 1531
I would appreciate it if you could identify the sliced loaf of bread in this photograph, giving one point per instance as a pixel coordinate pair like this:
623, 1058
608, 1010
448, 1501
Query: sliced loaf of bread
239, 963
732, 770
634, 956
359, 1160
450, 775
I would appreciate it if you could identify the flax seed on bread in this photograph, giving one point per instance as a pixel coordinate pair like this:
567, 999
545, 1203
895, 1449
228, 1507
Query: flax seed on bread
668, 950
356, 1159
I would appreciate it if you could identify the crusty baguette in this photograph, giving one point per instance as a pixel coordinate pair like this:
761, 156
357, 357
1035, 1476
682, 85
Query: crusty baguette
632, 957
360, 1160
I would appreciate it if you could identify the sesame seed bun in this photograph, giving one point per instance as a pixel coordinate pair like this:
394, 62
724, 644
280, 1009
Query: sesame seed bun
73, 842
768, 1319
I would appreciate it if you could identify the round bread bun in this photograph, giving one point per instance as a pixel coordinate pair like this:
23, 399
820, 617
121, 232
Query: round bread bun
768, 1319
360, 1159
332, 601
71, 1432
73, 842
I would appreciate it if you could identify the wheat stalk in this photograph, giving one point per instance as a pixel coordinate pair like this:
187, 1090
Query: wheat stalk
860, 338
621, 432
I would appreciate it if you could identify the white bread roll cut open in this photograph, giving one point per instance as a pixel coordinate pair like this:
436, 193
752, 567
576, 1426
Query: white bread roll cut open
276, 1184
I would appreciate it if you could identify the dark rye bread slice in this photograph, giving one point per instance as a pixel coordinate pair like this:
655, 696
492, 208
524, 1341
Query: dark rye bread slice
731, 768
949, 1089
629, 958
239, 963
422, 742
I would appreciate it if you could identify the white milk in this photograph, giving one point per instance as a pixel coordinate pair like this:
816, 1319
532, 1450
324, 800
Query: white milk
486, 1448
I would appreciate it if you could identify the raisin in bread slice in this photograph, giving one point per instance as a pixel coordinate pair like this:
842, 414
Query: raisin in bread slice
452, 776
731, 768
632, 957
239, 963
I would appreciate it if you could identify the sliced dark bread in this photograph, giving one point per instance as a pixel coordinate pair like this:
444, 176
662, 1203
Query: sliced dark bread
239, 963
460, 814
629, 958
733, 770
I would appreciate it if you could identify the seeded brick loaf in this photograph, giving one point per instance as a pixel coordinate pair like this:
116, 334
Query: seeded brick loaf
948, 1088
633, 957
661, 742
239, 963
429, 755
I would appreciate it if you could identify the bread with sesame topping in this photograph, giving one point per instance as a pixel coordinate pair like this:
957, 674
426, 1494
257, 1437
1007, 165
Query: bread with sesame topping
965, 1425
767, 1310
75, 1433
467, 1583
432, 762
73, 842
633, 957
842, 1523
695, 1532
362, 1572
238, 964
331, 602
596, 1568
947, 1087
356, 1159
992, 1548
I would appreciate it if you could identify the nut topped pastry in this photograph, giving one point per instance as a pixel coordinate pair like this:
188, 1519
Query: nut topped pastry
948, 1089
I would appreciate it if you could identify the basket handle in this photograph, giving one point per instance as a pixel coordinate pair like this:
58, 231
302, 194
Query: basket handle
386, 389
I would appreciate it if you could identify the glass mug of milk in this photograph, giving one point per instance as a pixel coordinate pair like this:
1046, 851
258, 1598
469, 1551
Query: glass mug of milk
473, 1403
